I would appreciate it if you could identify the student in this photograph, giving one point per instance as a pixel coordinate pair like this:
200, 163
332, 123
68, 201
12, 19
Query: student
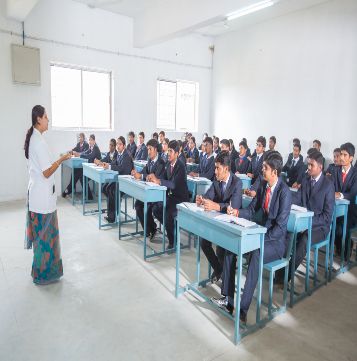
82, 145
141, 150
317, 145
91, 153
155, 136
226, 189
234, 155
295, 166
255, 166
345, 183
174, 178
193, 155
336, 162
164, 149
181, 156
303, 170
123, 164
206, 167
272, 143
273, 202
317, 195
249, 154
154, 166
242, 162
111, 155
131, 147
187, 137
216, 148
161, 140
204, 136
226, 147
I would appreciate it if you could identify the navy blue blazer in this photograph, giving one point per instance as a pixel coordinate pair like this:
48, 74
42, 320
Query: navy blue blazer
293, 171
232, 193
242, 165
348, 189
131, 148
176, 183
319, 199
255, 167
158, 168
108, 158
141, 152
207, 167
92, 154
277, 219
123, 164
182, 158
163, 156
194, 154
331, 168
291, 156
79, 149
234, 155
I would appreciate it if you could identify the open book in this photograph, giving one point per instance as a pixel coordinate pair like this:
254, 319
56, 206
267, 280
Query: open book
294, 207
231, 219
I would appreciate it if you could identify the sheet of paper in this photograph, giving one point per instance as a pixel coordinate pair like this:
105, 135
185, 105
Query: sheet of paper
295, 207
231, 219
193, 207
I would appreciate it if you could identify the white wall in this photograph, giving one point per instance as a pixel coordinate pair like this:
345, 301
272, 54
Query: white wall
292, 76
134, 78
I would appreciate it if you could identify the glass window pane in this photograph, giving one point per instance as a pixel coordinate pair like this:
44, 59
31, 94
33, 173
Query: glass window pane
186, 109
166, 104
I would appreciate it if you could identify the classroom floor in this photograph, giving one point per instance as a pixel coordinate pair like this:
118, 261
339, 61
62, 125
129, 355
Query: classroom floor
111, 305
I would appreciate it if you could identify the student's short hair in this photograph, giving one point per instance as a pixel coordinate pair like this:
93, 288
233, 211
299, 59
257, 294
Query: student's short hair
311, 150
173, 144
167, 140
226, 142
275, 161
142, 134
208, 140
162, 132
349, 148
296, 141
317, 156
337, 150
216, 139
273, 139
131, 134
231, 141
243, 144
193, 139
317, 142
179, 141
153, 143
155, 135
297, 145
122, 139
92, 136
266, 153
244, 140
82, 135
262, 140
224, 159
113, 141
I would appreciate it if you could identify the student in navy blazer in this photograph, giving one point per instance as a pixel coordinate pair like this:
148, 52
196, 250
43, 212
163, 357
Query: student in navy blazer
181, 156
256, 163
345, 183
141, 150
111, 155
154, 166
123, 164
242, 162
206, 167
225, 190
92, 153
193, 155
273, 202
82, 145
336, 162
294, 167
131, 147
175, 179
317, 195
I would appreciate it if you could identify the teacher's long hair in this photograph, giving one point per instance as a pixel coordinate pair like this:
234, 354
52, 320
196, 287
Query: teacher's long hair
37, 111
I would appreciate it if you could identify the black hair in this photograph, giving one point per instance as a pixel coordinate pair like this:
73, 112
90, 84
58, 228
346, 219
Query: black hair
231, 141
243, 144
193, 139
132, 134
38, 111
155, 135
226, 142
317, 156
113, 141
297, 145
311, 150
82, 135
217, 139
349, 148
317, 142
273, 139
173, 144
122, 139
142, 134
224, 159
296, 141
275, 161
167, 140
244, 140
179, 141
208, 140
162, 132
262, 140
337, 150
153, 143
92, 136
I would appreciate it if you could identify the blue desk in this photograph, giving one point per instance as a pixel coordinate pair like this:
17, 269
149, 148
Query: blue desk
246, 200
72, 163
100, 176
146, 193
191, 167
139, 165
246, 181
236, 239
341, 209
197, 186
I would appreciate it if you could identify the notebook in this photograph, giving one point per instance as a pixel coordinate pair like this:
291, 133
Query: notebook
236, 220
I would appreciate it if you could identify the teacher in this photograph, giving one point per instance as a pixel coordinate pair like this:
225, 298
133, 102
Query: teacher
42, 226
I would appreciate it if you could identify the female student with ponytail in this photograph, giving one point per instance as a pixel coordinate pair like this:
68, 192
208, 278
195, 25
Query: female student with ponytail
42, 225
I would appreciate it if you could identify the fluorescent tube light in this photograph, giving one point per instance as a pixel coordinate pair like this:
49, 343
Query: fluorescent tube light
250, 9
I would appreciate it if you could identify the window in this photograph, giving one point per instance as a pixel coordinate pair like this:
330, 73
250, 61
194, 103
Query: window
80, 98
177, 105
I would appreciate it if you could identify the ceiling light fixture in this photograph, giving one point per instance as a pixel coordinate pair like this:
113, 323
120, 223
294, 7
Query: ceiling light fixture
250, 9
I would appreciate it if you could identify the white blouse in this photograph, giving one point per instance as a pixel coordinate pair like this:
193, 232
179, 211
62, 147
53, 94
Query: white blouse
42, 195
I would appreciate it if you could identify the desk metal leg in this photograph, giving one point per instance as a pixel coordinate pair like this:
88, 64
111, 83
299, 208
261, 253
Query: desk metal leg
84, 192
308, 250
119, 220
260, 277
100, 203
145, 225
292, 270
177, 259
332, 246
72, 186
164, 223
198, 260
237, 335
343, 242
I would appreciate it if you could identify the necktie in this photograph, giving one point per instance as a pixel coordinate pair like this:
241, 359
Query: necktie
172, 168
267, 199
119, 158
344, 175
221, 186
151, 164
240, 161
293, 165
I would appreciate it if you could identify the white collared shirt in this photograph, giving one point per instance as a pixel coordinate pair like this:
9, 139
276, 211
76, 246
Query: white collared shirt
226, 182
317, 178
345, 171
42, 198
